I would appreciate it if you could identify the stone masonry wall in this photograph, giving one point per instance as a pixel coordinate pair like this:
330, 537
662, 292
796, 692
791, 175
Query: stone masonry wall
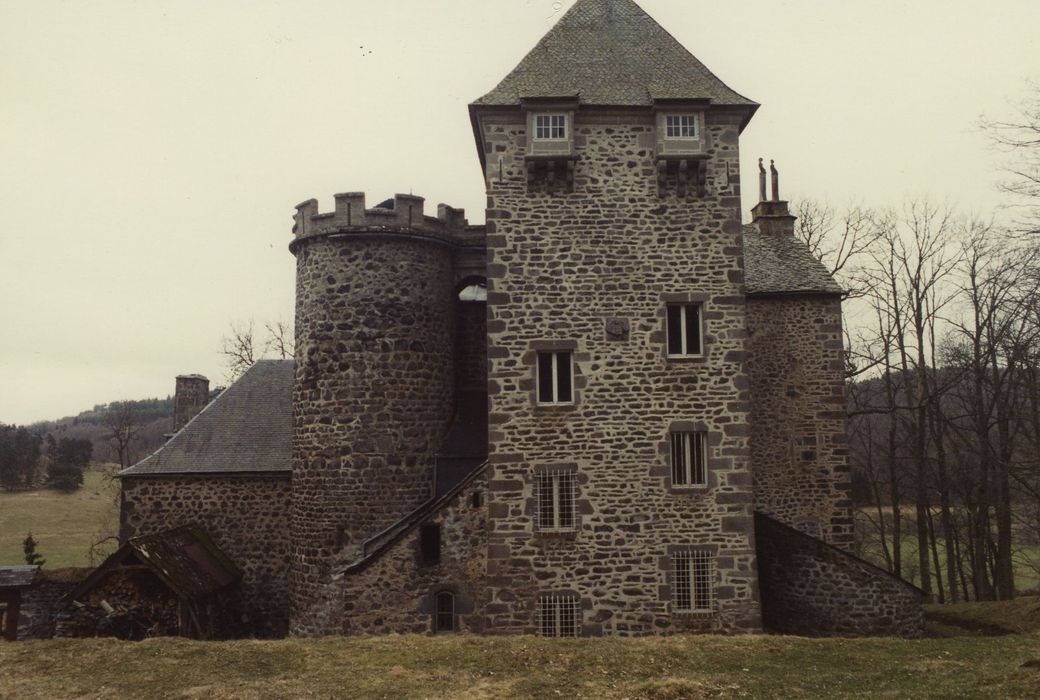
373, 396
814, 589
395, 592
247, 518
560, 267
39, 603
799, 448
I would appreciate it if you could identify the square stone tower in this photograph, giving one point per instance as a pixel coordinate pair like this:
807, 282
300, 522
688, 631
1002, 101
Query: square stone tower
620, 489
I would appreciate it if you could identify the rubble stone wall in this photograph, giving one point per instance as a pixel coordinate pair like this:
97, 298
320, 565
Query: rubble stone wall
592, 271
815, 589
39, 603
799, 447
248, 518
395, 592
373, 396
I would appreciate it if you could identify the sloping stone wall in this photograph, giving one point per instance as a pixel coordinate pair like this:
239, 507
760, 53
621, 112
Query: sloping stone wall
799, 448
248, 518
592, 270
814, 589
395, 592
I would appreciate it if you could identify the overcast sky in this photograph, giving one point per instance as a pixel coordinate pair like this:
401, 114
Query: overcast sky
151, 153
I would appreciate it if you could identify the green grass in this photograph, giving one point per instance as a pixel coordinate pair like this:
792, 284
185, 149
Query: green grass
525, 667
63, 525
1018, 616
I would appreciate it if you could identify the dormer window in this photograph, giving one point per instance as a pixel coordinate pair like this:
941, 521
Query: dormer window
681, 126
550, 127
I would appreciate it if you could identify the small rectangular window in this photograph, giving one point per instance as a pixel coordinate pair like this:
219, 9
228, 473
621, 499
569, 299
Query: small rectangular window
681, 126
555, 384
444, 618
556, 495
693, 580
550, 127
559, 616
689, 459
430, 544
684, 330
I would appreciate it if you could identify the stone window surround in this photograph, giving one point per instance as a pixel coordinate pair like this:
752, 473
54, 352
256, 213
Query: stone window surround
673, 298
663, 468
540, 471
578, 380
666, 563
556, 378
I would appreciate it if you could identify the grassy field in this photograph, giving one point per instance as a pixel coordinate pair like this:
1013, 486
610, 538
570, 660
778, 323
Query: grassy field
473, 667
64, 525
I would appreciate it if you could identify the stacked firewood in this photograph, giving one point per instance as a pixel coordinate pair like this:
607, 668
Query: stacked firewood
129, 605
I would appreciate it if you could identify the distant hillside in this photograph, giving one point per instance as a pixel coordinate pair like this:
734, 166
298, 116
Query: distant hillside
153, 418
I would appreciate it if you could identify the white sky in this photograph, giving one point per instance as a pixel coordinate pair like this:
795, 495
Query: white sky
151, 153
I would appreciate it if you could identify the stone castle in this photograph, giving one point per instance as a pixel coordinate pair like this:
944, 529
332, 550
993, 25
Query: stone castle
611, 410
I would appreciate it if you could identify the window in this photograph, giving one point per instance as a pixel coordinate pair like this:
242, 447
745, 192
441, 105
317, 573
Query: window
693, 580
689, 459
554, 378
681, 126
550, 127
684, 330
556, 496
559, 616
430, 544
444, 617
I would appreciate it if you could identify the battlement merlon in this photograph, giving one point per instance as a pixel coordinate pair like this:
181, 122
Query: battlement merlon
407, 215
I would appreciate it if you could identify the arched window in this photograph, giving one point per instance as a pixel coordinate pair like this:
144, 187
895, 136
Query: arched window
444, 614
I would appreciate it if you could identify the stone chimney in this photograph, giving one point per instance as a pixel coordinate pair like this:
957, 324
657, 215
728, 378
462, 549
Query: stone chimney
191, 396
771, 216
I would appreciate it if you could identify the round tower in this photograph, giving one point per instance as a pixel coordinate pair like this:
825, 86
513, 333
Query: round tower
374, 390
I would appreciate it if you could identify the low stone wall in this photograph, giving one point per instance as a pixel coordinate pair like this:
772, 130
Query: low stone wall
811, 588
40, 603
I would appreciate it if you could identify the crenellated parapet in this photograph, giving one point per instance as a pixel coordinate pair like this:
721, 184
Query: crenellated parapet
404, 214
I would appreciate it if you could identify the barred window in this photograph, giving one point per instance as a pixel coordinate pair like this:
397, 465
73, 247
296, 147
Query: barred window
681, 126
559, 616
684, 330
554, 378
693, 580
444, 618
556, 496
550, 127
689, 459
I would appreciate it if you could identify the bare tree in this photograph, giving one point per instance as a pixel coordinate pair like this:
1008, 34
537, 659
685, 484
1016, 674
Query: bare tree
279, 339
242, 346
1020, 137
839, 240
122, 429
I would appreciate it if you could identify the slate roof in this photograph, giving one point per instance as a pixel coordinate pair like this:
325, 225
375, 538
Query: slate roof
782, 264
248, 428
610, 52
17, 576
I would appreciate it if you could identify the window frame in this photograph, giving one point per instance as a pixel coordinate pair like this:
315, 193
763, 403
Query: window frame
694, 446
694, 574
439, 614
684, 308
555, 379
549, 127
694, 124
559, 489
558, 609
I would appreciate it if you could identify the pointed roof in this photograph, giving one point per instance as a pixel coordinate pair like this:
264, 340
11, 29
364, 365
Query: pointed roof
611, 52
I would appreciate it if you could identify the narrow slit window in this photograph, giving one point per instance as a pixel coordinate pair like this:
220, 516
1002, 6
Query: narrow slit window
556, 501
430, 544
689, 458
684, 330
681, 126
559, 616
555, 381
550, 127
693, 580
444, 618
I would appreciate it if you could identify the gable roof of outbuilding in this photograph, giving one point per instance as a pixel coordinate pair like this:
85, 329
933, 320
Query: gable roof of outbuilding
782, 264
611, 52
247, 429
